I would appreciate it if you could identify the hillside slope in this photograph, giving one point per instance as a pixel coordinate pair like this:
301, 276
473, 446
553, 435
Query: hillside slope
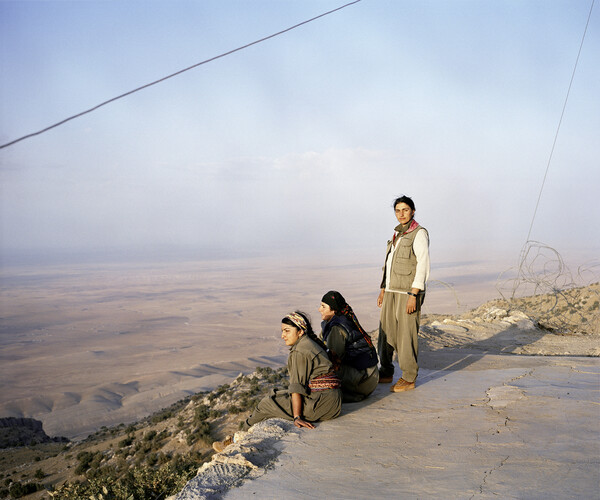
159, 454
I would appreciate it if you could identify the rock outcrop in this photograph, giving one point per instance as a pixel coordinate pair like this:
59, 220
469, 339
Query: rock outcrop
248, 457
24, 432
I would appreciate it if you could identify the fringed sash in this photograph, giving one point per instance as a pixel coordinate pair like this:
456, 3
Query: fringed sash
323, 382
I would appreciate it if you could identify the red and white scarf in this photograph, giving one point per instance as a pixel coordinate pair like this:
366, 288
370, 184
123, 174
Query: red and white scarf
413, 225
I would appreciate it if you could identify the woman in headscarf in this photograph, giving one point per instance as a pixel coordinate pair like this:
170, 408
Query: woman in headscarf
355, 357
314, 391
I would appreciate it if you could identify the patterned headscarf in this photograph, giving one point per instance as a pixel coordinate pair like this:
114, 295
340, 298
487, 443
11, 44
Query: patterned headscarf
297, 320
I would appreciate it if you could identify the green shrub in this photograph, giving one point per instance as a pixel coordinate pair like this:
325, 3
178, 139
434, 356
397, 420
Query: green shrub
201, 413
202, 432
198, 395
152, 459
85, 458
233, 409
150, 435
159, 417
137, 483
18, 490
222, 388
143, 447
127, 441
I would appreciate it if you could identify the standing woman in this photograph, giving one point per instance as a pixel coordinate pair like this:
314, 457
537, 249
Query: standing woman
314, 390
351, 347
405, 273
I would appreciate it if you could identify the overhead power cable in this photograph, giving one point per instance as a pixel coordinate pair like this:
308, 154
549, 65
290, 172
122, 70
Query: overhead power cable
175, 74
560, 121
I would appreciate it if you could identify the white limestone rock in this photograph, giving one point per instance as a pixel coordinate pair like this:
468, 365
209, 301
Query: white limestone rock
248, 457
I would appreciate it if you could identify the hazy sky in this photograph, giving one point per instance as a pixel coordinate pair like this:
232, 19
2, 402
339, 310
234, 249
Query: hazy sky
300, 143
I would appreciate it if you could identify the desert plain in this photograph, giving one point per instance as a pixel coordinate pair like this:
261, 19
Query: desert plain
92, 345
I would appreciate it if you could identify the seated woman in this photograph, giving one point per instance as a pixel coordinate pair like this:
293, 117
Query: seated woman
355, 357
314, 391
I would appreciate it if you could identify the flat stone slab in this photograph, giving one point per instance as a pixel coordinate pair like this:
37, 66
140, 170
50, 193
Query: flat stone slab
476, 426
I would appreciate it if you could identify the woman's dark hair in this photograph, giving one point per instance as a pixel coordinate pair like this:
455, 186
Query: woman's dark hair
309, 330
335, 301
405, 199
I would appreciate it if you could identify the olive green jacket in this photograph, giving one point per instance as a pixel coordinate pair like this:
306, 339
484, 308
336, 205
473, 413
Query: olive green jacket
306, 361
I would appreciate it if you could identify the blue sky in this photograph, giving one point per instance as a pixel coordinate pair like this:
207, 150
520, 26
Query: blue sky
298, 144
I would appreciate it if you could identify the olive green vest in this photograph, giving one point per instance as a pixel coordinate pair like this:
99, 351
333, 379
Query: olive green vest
404, 264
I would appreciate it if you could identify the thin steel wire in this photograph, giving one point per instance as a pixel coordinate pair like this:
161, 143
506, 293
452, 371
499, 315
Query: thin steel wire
562, 114
62, 122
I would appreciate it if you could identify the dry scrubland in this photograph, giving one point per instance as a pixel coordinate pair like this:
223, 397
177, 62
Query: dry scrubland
159, 454
147, 459
563, 323
571, 311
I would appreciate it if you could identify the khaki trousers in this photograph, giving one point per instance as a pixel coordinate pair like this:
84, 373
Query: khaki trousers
401, 331
321, 405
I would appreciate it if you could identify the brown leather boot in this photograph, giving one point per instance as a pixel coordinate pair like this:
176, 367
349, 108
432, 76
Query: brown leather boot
402, 385
219, 446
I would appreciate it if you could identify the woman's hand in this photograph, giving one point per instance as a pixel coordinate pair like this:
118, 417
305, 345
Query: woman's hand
411, 304
298, 422
297, 409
